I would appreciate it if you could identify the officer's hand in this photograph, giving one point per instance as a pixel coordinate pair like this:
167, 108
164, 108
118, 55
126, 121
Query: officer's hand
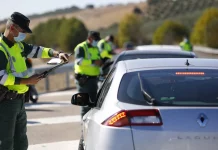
98, 62
32, 80
64, 57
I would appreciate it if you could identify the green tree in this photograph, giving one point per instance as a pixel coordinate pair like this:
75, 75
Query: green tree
211, 34
72, 32
47, 33
130, 30
204, 27
170, 32
62, 34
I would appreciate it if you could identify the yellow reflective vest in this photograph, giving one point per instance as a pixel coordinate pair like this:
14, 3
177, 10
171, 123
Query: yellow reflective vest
186, 46
84, 65
105, 52
16, 65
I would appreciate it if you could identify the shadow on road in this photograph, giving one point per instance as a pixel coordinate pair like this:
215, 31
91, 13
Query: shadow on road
46, 110
33, 122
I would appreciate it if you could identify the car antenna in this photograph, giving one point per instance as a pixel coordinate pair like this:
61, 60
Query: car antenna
187, 63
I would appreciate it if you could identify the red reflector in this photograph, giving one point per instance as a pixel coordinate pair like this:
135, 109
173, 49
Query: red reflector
134, 117
190, 73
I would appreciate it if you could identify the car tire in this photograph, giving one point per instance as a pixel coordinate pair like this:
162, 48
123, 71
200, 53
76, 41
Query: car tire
33, 94
81, 147
33, 99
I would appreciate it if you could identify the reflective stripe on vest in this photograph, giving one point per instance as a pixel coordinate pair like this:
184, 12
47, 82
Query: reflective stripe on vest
85, 47
105, 53
90, 54
87, 52
107, 46
25, 73
2, 72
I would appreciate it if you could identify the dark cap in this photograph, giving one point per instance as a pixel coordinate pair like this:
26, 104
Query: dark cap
21, 20
95, 35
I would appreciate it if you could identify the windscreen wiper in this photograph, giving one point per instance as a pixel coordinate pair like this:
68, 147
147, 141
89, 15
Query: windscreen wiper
149, 100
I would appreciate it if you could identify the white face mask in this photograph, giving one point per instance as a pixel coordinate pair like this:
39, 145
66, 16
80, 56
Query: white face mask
21, 36
94, 43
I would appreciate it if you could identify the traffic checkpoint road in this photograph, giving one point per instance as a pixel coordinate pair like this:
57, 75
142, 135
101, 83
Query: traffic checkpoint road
53, 123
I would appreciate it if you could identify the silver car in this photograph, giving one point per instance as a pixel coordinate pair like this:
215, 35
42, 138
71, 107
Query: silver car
154, 104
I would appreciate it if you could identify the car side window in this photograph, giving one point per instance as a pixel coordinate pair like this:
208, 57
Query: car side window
105, 88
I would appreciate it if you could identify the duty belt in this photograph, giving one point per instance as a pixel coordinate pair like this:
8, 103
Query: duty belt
6, 94
14, 95
86, 76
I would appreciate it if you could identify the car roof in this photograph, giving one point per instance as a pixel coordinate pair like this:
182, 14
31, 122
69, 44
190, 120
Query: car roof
139, 64
159, 52
158, 47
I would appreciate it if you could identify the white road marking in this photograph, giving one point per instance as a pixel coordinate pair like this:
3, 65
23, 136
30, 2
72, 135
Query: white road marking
48, 104
71, 93
53, 120
64, 145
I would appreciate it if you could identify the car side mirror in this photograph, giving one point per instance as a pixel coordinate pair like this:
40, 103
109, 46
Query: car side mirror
81, 99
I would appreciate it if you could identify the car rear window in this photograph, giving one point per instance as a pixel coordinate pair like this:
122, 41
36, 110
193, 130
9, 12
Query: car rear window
171, 87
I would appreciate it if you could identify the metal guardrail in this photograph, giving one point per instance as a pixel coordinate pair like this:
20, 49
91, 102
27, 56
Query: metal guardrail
67, 68
206, 50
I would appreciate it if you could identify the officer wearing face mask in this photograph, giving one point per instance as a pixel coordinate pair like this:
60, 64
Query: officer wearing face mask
87, 67
106, 47
14, 80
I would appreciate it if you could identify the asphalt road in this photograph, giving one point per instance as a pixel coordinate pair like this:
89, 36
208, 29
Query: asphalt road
53, 123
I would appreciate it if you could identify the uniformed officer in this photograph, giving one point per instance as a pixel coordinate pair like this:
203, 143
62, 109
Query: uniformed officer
14, 78
106, 47
106, 51
87, 67
186, 45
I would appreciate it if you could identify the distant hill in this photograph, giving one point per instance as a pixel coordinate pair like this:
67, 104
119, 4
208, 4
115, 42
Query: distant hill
94, 18
50, 13
56, 12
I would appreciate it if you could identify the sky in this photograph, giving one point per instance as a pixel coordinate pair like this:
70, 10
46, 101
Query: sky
29, 7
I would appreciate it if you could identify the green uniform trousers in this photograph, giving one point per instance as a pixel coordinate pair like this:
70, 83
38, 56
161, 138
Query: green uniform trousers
90, 87
13, 121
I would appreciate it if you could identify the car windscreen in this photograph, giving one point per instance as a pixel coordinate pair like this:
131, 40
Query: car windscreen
171, 87
147, 56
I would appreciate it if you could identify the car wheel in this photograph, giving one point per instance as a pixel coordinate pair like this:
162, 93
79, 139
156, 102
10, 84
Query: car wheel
34, 98
81, 147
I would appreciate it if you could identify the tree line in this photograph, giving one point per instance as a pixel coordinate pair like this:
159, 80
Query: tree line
203, 32
62, 34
